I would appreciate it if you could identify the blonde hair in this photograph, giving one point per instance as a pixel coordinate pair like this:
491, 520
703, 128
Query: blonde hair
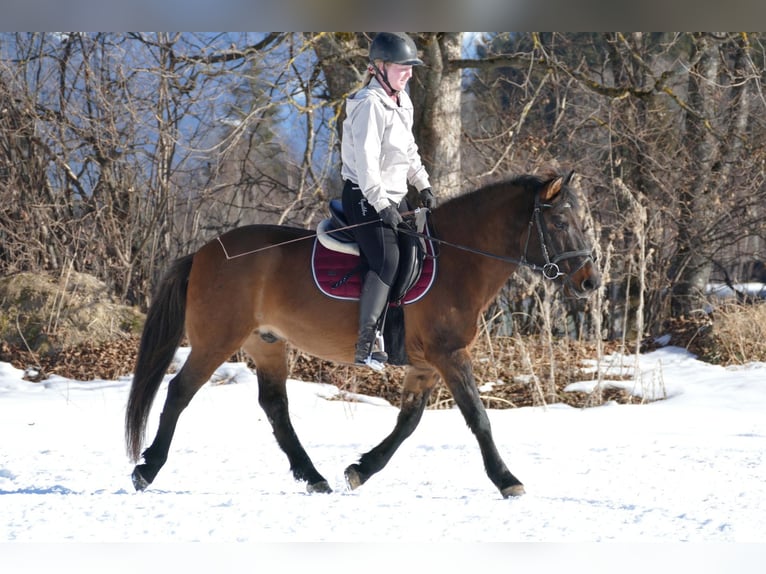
371, 72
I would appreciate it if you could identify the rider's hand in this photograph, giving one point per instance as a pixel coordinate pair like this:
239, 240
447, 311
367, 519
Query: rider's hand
391, 216
426, 197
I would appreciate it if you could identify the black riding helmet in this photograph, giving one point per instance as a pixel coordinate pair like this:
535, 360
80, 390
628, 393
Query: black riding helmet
396, 47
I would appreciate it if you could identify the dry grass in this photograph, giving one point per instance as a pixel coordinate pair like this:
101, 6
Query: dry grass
46, 314
740, 331
737, 334
731, 334
509, 372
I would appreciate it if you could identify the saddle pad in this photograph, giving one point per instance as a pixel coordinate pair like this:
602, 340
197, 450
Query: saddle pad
331, 267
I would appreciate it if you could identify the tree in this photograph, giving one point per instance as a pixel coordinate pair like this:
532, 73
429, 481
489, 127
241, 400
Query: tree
666, 124
113, 128
438, 120
119, 152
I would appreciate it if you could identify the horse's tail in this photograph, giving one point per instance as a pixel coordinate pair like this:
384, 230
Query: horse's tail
161, 337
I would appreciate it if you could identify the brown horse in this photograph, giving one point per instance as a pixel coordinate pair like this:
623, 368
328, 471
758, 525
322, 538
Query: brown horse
266, 299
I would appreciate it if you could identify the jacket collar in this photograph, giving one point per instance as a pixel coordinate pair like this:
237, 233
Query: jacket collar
375, 87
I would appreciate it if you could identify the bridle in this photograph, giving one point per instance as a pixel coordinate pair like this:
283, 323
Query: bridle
550, 269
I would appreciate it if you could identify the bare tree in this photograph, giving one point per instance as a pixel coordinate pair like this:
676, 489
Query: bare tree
114, 129
672, 120
119, 152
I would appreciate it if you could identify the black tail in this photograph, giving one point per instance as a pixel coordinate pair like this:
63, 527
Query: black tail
162, 334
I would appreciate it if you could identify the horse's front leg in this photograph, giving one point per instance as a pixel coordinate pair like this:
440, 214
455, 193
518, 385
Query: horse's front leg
417, 387
458, 374
271, 368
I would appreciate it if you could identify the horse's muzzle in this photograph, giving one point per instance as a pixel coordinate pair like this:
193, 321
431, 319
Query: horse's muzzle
583, 282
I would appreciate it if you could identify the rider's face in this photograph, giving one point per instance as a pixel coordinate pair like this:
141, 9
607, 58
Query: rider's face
398, 75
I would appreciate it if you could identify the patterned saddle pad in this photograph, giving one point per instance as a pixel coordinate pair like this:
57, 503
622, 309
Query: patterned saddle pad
339, 275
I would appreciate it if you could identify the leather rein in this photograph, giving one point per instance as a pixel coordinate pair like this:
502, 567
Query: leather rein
550, 269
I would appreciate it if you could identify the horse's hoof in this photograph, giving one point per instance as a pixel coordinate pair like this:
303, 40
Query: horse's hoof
353, 478
139, 482
320, 486
515, 490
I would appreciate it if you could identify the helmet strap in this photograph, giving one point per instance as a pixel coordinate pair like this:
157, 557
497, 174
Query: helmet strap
382, 77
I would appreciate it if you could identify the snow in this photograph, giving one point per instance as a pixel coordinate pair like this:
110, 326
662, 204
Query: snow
723, 291
686, 468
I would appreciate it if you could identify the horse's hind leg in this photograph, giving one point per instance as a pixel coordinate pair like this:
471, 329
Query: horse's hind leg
271, 367
417, 387
181, 390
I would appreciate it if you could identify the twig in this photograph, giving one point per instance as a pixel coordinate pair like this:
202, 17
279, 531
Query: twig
31, 352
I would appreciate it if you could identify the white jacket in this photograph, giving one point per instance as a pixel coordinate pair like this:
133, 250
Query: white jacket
378, 150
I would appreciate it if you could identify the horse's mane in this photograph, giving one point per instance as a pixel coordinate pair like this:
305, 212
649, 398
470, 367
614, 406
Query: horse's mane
530, 183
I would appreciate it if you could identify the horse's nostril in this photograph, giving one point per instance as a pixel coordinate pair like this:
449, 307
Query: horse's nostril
589, 284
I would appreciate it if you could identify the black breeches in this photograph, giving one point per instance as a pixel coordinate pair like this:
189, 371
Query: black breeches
377, 241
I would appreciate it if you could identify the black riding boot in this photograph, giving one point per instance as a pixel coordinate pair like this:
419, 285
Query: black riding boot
372, 302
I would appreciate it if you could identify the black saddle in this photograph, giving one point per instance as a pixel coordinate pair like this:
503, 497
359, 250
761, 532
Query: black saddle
338, 222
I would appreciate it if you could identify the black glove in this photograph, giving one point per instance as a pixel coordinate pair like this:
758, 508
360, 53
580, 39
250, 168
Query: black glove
391, 216
427, 198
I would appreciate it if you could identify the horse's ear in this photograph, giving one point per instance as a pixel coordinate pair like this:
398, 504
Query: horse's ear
555, 186
552, 189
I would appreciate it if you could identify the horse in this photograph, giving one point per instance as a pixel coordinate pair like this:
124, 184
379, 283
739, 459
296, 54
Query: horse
252, 289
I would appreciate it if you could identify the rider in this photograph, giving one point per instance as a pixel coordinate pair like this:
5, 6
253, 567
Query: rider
379, 158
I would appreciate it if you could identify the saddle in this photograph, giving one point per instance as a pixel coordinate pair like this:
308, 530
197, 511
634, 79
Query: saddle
338, 266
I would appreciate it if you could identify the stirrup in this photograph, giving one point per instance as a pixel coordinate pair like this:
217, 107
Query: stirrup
373, 363
376, 358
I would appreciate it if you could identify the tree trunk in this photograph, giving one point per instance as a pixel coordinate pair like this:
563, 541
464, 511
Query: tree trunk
436, 91
692, 264
343, 60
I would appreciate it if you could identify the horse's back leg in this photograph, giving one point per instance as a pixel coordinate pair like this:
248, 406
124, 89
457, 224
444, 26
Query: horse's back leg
271, 367
417, 387
183, 386
457, 371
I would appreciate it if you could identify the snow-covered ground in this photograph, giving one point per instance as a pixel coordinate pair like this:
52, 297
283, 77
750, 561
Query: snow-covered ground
687, 468
756, 290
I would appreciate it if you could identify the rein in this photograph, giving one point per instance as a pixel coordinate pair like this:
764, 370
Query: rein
310, 236
550, 269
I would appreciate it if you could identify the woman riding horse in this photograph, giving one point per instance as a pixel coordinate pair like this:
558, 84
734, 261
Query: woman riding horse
379, 157
252, 288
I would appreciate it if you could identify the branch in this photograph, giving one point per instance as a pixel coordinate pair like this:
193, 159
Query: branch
234, 54
219, 56
498, 61
527, 59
